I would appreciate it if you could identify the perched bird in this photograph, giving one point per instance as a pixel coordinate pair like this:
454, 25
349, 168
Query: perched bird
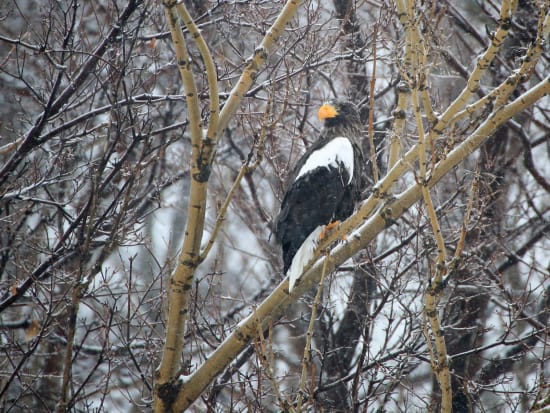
323, 187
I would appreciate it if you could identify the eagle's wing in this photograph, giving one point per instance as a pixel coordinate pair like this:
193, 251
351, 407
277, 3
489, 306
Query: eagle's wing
320, 192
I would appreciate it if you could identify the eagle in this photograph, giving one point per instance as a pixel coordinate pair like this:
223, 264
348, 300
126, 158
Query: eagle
323, 187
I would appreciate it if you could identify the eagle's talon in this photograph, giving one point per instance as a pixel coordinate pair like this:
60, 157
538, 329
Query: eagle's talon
327, 228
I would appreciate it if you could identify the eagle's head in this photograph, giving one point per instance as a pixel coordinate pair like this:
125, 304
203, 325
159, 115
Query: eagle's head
340, 118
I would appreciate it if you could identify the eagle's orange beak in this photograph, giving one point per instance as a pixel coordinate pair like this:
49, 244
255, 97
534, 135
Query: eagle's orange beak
327, 111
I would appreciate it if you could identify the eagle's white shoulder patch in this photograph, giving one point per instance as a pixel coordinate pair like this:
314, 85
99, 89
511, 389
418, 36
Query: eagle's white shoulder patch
338, 150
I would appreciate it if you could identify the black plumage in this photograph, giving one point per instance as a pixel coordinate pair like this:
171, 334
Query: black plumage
324, 193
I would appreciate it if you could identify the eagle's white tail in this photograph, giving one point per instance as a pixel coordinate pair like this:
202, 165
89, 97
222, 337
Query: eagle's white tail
303, 256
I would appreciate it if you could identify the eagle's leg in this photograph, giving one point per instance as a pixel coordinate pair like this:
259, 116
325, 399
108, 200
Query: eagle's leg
327, 228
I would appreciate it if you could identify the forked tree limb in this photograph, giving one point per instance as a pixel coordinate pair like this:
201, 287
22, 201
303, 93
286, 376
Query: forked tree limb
203, 150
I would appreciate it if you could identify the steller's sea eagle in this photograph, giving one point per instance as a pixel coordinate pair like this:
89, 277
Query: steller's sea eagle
323, 187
